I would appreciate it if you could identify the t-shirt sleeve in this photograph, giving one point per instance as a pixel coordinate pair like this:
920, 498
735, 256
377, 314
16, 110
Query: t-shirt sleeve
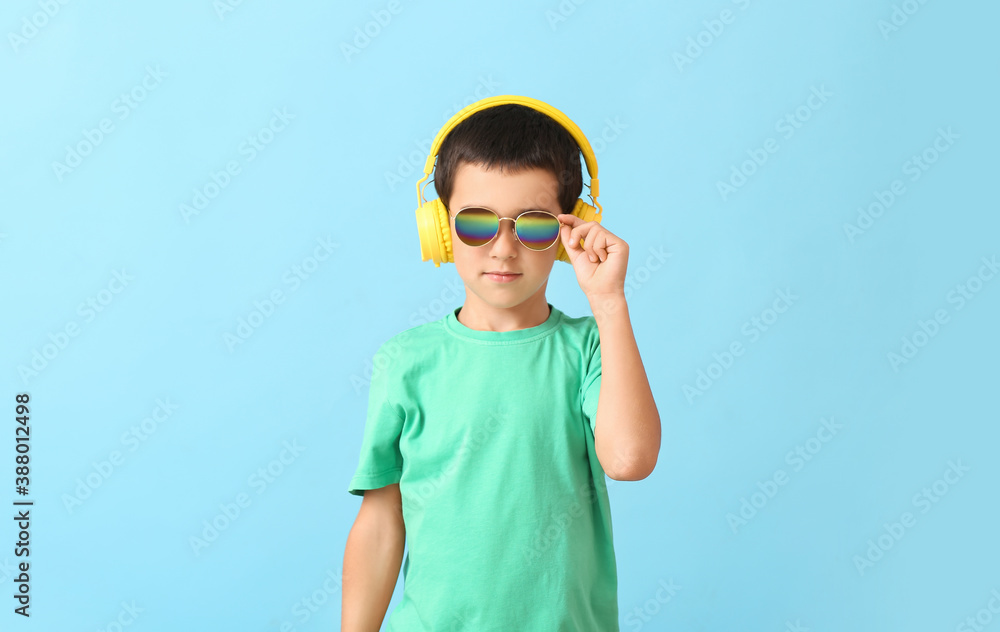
591, 385
380, 463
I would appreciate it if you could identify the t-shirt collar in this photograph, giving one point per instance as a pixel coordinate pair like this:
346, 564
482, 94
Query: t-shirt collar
456, 328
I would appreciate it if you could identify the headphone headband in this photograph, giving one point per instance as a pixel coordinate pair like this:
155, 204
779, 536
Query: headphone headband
544, 108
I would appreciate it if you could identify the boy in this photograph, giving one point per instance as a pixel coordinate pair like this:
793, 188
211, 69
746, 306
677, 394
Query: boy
490, 431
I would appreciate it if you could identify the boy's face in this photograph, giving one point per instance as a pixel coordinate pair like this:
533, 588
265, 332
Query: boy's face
509, 195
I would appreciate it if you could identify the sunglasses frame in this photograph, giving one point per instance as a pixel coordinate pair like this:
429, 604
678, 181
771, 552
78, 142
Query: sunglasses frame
513, 219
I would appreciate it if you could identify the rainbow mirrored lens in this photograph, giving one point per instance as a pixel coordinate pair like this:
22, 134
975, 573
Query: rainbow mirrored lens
478, 226
537, 231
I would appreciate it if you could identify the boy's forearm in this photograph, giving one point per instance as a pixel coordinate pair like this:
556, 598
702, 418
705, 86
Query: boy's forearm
372, 560
627, 430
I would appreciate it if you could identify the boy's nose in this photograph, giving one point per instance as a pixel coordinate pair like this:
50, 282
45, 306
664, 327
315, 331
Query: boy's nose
505, 240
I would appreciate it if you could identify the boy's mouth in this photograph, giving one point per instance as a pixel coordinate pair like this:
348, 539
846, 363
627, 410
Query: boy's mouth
502, 277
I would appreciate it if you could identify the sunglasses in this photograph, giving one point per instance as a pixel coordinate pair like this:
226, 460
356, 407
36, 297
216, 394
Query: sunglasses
478, 226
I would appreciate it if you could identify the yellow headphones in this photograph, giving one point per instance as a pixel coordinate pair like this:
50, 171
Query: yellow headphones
433, 222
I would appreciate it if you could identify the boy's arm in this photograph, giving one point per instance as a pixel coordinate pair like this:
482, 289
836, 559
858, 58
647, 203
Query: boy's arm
627, 424
372, 559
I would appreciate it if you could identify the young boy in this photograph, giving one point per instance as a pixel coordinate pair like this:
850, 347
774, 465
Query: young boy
490, 431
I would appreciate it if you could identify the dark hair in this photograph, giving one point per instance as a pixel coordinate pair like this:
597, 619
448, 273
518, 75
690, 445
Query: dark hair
512, 137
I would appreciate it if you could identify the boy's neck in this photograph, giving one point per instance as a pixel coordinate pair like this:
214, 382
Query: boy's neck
531, 313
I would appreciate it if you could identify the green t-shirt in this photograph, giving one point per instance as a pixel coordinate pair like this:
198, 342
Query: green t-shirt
490, 436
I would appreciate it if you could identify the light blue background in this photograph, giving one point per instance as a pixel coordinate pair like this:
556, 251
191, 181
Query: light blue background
670, 131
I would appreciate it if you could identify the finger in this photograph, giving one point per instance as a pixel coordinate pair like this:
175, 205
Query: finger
581, 231
601, 246
566, 234
573, 239
592, 236
590, 244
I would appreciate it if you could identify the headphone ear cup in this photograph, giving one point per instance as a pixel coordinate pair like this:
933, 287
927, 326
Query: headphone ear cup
434, 229
587, 213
